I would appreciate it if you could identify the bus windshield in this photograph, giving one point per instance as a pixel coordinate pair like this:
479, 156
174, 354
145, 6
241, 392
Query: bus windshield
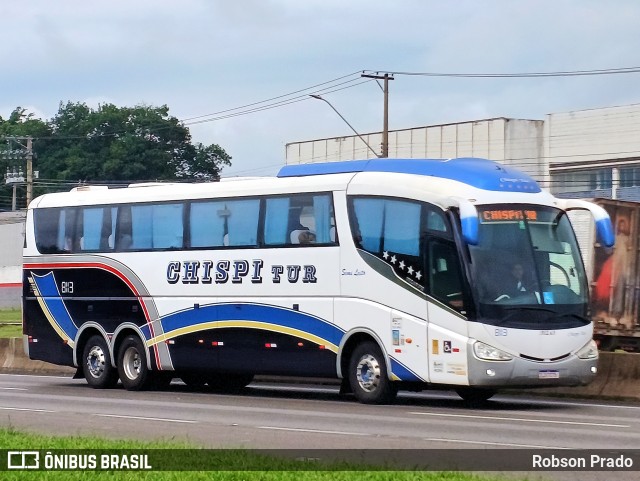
527, 268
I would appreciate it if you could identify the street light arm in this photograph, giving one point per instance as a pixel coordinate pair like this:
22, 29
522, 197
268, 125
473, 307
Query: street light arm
318, 97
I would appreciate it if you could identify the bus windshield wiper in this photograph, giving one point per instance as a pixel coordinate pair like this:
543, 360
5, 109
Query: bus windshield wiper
529, 308
573, 315
514, 310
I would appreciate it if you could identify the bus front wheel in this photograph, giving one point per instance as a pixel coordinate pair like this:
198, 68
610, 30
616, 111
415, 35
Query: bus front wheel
475, 395
132, 364
97, 368
368, 375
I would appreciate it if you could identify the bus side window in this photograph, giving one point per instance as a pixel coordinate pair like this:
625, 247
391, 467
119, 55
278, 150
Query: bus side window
224, 223
108, 233
91, 229
305, 219
436, 221
46, 229
123, 229
445, 278
67, 240
242, 222
276, 220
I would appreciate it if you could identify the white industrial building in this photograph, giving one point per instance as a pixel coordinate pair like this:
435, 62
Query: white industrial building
12, 240
509, 141
586, 154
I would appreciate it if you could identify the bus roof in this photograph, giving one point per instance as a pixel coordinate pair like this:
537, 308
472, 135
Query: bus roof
480, 173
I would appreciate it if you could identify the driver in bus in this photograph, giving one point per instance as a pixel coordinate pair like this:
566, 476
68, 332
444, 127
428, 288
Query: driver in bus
517, 284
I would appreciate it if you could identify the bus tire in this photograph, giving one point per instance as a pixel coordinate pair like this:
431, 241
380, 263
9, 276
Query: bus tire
132, 364
96, 364
229, 382
475, 395
368, 375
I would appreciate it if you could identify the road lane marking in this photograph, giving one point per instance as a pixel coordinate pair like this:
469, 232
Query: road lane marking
27, 409
465, 441
580, 404
14, 388
69, 378
142, 418
318, 431
525, 420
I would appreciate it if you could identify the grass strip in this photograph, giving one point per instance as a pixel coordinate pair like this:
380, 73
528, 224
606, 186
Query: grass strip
8, 318
273, 469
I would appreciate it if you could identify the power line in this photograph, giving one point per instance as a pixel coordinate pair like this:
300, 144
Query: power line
566, 73
241, 110
273, 98
280, 103
331, 84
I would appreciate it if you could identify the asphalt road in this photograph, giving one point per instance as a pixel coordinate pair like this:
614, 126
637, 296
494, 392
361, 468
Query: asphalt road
301, 416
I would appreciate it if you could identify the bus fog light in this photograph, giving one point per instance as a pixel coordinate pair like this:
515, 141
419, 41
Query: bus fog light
491, 373
589, 351
490, 353
594, 370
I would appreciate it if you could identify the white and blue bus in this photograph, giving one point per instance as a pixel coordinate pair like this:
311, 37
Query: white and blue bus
387, 273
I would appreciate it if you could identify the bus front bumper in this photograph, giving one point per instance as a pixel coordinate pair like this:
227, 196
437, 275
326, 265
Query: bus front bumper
519, 372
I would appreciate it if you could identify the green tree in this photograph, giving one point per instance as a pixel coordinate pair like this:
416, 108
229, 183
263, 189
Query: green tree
110, 143
205, 163
125, 143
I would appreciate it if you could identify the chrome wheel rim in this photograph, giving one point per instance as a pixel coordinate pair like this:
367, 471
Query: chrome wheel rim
132, 363
368, 373
96, 361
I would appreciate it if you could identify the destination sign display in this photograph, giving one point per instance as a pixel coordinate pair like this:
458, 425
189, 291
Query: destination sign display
506, 215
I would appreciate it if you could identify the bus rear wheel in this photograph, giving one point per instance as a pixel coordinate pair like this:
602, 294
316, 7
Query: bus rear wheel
97, 368
475, 395
132, 364
368, 375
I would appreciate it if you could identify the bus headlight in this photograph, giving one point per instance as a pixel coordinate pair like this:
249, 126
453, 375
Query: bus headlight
490, 353
589, 351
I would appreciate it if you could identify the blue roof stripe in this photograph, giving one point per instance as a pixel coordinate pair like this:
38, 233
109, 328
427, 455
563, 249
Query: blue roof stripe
480, 173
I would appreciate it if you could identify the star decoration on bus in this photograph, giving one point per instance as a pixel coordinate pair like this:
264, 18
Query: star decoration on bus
402, 265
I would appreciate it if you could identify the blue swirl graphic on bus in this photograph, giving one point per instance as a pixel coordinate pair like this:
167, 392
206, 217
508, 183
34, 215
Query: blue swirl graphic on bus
403, 372
267, 317
53, 306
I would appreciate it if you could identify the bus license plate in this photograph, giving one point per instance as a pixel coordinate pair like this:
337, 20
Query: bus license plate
548, 374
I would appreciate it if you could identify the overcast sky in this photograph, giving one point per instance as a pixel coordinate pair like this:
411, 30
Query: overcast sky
205, 56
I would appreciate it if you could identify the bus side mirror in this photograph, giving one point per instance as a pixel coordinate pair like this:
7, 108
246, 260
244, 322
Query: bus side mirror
604, 228
470, 230
469, 222
604, 232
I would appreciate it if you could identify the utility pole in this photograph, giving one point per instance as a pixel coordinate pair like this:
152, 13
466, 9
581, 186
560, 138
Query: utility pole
14, 177
385, 122
29, 155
